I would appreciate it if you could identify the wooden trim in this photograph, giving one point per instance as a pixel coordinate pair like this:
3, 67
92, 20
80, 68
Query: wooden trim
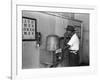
28, 18
28, 39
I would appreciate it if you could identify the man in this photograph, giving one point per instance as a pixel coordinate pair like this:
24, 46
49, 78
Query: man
71, 47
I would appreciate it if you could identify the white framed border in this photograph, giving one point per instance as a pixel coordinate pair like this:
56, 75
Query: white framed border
16, 69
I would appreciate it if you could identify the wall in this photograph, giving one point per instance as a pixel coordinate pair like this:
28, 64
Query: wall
60, 26
30, 55
45, 25
85, 50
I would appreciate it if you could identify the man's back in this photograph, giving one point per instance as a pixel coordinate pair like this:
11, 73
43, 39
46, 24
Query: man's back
74, 42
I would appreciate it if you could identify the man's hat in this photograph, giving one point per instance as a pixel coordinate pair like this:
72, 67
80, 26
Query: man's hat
70, 28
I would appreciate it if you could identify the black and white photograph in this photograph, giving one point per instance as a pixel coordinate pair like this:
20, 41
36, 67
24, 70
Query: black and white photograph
52, 41
55, 39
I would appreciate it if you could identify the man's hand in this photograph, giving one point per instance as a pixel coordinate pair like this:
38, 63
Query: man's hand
67, 46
